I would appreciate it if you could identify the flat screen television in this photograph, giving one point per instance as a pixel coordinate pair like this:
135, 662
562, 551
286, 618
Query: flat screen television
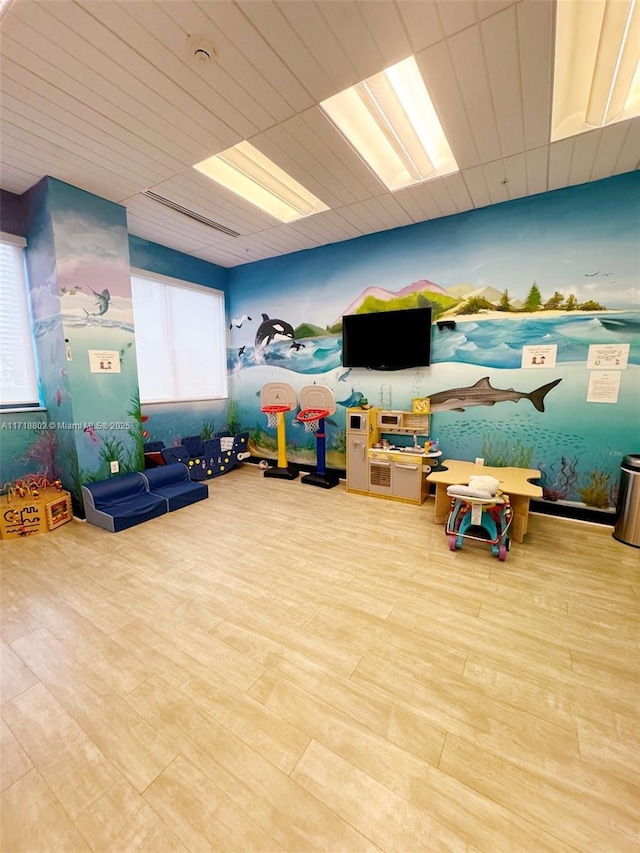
387, 340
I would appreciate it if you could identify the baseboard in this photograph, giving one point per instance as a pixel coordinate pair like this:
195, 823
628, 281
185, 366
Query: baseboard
559, 510
579, 513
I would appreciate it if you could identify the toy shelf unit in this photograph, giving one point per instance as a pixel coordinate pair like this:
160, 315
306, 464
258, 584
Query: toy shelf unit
404, 423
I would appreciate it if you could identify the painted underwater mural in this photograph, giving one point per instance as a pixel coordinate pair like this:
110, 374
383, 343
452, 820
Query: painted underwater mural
559, 270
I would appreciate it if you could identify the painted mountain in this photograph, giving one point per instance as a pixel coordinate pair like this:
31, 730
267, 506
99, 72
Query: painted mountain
422, 292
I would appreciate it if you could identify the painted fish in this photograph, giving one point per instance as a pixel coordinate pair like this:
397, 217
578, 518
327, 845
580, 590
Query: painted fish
102, 300
90, 431
273, 330
484, 394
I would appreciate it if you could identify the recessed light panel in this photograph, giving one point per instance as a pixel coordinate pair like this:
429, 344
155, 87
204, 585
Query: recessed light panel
247, 172
597, 71
390, 121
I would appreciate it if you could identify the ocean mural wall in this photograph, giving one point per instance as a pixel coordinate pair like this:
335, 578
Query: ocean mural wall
79, 258
542, 368
80, 291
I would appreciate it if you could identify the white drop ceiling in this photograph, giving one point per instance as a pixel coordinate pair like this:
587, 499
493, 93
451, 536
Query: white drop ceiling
108, 96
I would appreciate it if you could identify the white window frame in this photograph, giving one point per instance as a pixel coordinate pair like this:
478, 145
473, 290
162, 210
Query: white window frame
168, 341
18, 347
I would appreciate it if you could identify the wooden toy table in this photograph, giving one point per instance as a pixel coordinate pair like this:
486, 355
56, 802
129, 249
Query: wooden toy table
513, 482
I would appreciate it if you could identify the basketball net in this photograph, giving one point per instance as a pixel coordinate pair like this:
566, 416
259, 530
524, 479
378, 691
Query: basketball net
311, 418
272, 413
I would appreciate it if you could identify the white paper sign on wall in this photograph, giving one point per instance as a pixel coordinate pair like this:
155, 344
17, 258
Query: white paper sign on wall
541, 356
104, 361
608, 356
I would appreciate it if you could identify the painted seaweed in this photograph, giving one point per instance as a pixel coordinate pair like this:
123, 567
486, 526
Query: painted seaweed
501, 452
135, 456
596, 492
43, 450
564, 481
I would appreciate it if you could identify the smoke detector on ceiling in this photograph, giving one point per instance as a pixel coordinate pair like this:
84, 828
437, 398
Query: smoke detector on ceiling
201, 50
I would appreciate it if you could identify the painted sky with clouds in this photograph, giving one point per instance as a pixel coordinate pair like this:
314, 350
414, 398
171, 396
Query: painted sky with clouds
582, 240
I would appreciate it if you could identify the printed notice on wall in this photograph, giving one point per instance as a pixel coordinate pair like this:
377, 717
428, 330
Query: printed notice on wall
604, 386
104, 361
608, 356
539, 356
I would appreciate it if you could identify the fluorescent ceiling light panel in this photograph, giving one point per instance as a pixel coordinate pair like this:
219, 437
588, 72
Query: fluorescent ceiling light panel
597, 65
247, 172
391, 122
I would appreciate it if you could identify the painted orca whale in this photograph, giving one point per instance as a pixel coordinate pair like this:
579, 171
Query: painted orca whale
272, 330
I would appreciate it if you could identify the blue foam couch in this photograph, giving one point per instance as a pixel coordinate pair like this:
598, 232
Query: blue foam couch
128, 499
172, 482
121, 502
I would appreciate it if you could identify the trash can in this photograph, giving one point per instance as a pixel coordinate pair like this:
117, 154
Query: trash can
627, 527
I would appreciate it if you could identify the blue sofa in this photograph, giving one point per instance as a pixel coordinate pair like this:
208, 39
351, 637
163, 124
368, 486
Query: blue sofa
121, 502
172, 482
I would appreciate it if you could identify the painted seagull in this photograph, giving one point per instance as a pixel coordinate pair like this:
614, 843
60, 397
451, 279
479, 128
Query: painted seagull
238, 321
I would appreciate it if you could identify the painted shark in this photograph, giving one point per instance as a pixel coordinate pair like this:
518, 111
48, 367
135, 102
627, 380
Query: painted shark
272, 330
484, 394
102, 300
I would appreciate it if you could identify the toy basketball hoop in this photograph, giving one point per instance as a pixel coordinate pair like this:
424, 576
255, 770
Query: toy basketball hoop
311, 418
272, 413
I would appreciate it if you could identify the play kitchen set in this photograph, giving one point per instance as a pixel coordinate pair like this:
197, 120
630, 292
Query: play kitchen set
33, 505
389, 452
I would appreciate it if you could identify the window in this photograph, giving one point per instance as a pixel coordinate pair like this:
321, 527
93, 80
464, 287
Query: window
180, 332
18, 376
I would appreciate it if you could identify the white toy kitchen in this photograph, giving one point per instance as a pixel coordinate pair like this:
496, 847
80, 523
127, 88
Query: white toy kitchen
389, 453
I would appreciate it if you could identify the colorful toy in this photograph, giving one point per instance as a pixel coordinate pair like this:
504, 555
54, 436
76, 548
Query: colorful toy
483, 519
317, 403
276, 398
33, 505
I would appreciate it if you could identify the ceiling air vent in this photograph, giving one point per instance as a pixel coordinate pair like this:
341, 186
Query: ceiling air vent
190, 213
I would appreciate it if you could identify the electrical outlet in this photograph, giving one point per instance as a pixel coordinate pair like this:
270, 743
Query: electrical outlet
115, 466
479, 460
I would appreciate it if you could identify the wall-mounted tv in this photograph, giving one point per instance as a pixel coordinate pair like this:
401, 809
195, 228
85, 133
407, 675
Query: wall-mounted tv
387, 340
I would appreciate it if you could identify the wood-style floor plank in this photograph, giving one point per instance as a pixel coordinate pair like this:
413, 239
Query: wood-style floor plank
285, 668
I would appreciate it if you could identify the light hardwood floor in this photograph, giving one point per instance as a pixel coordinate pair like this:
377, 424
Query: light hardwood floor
284, 668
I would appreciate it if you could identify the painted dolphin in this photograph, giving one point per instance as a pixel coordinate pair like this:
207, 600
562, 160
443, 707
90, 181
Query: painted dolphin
272, 330
102, 300
484, 394
352, 400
